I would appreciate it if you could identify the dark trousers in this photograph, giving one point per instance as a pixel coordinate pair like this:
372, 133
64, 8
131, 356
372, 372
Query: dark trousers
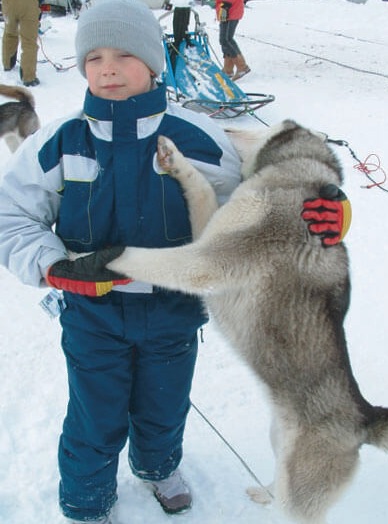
228, 43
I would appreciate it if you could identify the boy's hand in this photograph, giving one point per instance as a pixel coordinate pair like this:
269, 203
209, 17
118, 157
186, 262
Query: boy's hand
328, 216
87, 275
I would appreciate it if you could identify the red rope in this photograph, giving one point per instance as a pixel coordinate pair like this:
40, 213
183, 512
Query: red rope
371, 164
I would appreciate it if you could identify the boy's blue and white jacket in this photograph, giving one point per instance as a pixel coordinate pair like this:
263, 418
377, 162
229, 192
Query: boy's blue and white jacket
90, 181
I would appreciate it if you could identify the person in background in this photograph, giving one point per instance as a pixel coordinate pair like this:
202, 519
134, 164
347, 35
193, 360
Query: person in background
90, 181
21, 21
228, 14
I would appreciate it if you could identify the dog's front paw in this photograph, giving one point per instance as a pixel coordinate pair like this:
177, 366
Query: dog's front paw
169, 157
262, 495
166, 151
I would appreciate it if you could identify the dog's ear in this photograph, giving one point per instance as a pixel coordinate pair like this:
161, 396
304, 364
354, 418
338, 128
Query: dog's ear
319, 134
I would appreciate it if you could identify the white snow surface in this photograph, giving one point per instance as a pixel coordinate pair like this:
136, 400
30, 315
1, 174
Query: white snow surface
326, 63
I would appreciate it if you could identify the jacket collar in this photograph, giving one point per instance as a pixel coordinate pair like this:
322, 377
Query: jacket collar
141, 113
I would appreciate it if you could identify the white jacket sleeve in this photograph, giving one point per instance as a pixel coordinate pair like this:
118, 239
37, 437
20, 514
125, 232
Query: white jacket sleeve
29, 204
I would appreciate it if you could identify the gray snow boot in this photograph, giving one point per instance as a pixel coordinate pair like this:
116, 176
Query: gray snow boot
172, 493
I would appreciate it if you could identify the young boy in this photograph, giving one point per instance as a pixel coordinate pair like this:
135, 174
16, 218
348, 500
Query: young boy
94, 177
130, 353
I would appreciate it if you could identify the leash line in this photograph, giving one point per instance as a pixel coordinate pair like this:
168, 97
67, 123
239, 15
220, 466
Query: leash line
365, 167
317, 57
58, 67
337, 34
228, 445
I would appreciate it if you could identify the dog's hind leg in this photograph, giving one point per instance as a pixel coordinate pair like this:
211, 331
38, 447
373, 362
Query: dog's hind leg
313, 473
199, 194
265, 494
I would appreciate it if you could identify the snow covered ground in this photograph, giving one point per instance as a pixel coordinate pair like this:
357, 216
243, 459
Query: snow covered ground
326, 63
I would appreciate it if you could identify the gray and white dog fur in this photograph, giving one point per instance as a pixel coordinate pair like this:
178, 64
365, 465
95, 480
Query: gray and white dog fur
18, 119
280, 298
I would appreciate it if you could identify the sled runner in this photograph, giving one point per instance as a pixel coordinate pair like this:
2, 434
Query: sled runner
195, 80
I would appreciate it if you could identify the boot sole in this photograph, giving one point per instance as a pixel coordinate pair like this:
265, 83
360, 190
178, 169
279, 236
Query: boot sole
240, 74
171, 511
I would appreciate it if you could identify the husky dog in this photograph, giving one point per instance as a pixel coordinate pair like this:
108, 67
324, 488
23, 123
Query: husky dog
280, 298
18, 120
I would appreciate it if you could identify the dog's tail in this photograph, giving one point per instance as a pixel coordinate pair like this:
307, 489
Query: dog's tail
19, 93
378, 428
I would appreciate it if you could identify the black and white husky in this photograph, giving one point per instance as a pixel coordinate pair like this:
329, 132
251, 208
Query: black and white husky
280, 298
18, 119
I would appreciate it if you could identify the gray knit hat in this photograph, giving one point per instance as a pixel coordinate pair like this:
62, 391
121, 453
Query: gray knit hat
123, 24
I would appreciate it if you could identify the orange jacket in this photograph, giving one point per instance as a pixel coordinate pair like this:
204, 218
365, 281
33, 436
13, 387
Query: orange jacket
236, 9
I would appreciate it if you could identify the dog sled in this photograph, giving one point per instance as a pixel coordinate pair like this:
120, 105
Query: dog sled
194, 79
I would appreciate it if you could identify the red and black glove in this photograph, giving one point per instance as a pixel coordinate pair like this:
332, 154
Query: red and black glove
328, 216
87, 275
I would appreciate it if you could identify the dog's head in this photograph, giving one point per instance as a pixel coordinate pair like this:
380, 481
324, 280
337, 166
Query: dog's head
258, 148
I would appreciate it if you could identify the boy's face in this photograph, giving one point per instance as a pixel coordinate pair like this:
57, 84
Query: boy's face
115, 74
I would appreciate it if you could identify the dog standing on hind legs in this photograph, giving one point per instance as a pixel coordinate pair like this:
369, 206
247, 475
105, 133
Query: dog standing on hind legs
280, 298
18, 119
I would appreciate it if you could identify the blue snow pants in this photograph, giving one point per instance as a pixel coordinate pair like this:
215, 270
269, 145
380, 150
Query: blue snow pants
130, 361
